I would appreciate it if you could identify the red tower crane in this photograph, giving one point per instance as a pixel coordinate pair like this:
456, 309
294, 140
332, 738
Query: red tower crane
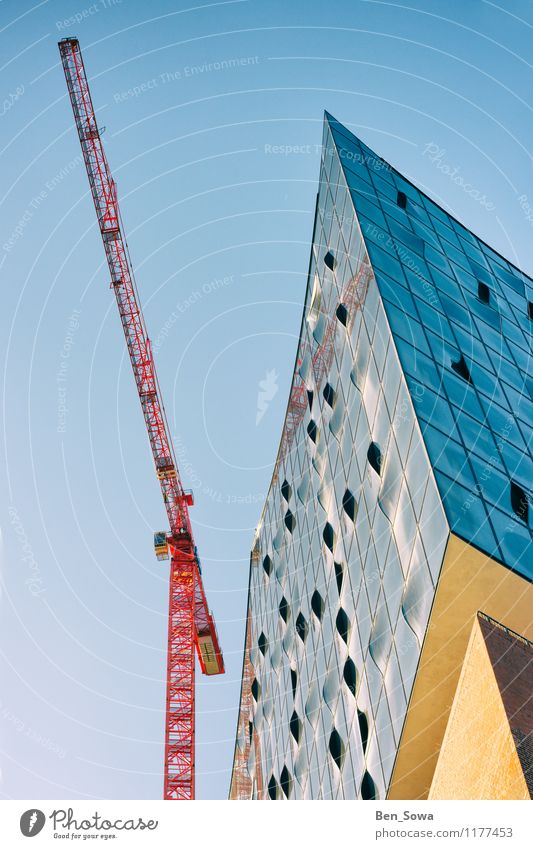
190, 623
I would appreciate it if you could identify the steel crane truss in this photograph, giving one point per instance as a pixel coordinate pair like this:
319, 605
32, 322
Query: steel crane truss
190, 622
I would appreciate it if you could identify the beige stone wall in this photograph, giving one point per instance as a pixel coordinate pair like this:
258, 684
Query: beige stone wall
478, 758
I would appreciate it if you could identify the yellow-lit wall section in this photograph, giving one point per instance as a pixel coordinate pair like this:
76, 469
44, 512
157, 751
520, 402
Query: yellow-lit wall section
469, 582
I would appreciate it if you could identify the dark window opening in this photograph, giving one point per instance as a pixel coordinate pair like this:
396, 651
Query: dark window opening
461, 368
329, 394
374, 457
310, 398
336, 748
284, 609
350, 675
286, 490
349, 505
530, 310
267, 565
317, 605
272, 788
262, 642
312, 431
294, 681
295, 726
250, 730
339, 575
519, 501
342, 314
483, 292
363, 728
330, 261
290, 521
342, 624
301, 627
368, 788
286, 781
256, 689
329, 536
401, 200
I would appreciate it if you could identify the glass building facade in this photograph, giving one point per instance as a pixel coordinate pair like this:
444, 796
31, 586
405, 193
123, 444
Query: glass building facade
400, 500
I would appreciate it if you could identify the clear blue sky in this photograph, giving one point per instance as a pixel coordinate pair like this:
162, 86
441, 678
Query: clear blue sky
217, 164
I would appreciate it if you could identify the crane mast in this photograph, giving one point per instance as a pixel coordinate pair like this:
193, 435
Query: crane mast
190, 623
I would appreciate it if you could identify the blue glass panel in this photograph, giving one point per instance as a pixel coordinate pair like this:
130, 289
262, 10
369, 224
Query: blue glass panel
457, 313
473, 349
493, 485
491, 337
493, 257
503, 426
406, 327
443, 350
446, 284
527, 434
515, 298
431, 407
420, 281
487, 384
519, 464
476, 435
513, 280
481, 273
351, 161
449, 457
386, 190
359, 186
407, 188
477, 257
462, 394
396, 295
416, 211
426, 232
409, 239
395, 291
515, 542
434, 320
467, 515
504, 368
385, 261
523, 359
376, 235
392, 210
485, 312
379, 166
456, 256
417, 364
462, 232
519, 313
410, 260
436, 211
370, 210
466, 280
520, 404
445, 231
437, 259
